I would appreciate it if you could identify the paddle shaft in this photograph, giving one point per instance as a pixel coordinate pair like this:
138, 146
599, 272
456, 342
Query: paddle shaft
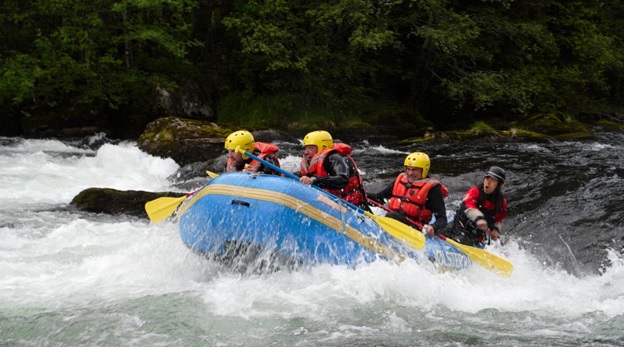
415, 223
290, 175
362, 239
478, 255
391, 226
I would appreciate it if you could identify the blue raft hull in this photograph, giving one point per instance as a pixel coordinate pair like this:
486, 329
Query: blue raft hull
278, 215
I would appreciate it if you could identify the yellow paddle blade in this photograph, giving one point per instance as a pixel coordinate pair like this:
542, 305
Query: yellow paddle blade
403, 232
162, 208
212, 174
486, 259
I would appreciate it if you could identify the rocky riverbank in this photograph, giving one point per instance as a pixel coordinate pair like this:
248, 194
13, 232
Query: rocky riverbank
190, 141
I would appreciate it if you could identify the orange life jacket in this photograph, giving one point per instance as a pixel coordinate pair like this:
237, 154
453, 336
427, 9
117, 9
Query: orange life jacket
410, 198
263, 150
352, 192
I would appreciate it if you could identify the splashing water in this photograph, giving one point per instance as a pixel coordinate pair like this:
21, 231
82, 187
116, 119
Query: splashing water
73, 278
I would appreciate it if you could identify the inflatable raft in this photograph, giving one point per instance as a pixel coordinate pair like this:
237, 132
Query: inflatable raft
259, 220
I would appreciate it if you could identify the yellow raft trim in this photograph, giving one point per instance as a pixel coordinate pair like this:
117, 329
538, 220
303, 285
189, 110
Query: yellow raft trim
299, 206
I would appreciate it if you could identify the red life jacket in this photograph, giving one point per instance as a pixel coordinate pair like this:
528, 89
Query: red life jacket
263, 150
352, 192
410, 198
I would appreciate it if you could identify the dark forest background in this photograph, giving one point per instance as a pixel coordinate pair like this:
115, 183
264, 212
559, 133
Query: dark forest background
116, 65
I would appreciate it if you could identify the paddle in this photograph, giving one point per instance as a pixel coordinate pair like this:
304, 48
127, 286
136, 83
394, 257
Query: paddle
161, 208
212, 174
482, 257
403, 232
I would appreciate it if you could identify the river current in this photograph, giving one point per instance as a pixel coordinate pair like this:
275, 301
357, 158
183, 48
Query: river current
70, 278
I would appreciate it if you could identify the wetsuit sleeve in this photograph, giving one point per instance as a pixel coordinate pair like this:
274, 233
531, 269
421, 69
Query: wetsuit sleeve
271, 158
338, 170
435, 203
385, 193
239, 167
471, 199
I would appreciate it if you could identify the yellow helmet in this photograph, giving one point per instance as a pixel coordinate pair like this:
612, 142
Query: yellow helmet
418, 159
242, 139
320, 138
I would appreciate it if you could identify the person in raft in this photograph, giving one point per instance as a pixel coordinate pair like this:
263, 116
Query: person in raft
239, 162
414, 197
481, 213
329, 166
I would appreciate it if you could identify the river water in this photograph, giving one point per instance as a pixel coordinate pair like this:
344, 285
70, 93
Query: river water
69, 278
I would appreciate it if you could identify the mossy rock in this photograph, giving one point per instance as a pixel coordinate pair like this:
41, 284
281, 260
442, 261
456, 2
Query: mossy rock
170, 129
115, 202
610, 125
184, 140
355, 125
525, 135
427, 137
188, 140
482, 128
479, 130
555, 123
540, 128
271, 135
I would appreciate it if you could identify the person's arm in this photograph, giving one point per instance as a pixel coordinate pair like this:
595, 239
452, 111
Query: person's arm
383, 194
338, 170
472, 211
271, 158
435, 203
476, 218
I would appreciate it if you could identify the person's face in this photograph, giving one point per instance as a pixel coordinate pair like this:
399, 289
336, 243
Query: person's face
413, 173
310, 151
489, 184
235, 156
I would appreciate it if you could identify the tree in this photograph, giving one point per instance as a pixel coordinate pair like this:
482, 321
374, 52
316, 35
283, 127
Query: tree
76, 61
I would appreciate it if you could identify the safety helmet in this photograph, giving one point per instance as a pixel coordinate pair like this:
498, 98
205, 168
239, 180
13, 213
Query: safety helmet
497, 173
242, 139
320, 138
418, 159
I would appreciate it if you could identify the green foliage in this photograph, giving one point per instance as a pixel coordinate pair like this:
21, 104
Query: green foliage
282, 112
254, 112
311, 48
403, 63
17, 83
92, 54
